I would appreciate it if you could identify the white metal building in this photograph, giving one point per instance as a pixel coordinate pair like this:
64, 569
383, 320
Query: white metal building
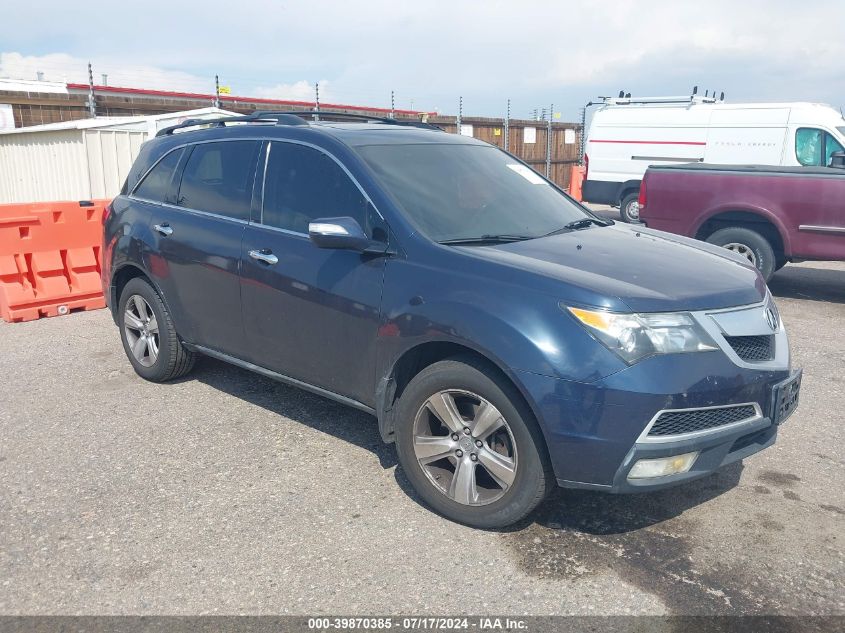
78, 160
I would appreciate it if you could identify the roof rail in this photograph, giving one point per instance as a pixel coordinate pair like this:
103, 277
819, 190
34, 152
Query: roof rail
329, 114
285, 118
290, 117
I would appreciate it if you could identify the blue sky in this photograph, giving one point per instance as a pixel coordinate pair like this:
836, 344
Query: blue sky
432, 52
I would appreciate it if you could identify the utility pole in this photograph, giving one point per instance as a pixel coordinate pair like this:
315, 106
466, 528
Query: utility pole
460, 114
216, 91
316, 116
582, 135
508, 127
92, 104
549, 142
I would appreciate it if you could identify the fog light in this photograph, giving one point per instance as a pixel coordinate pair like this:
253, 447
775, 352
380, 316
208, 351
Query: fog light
663, 466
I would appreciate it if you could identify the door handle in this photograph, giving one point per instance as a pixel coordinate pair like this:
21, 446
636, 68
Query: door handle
165, 229
264, 255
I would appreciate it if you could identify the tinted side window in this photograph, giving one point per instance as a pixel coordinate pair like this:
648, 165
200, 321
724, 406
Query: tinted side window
302, 184
156, 185
815, 147
218, 178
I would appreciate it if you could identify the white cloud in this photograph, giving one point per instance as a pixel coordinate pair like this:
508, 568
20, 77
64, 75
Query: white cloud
298, 91
65, 67
62, 67
534, 52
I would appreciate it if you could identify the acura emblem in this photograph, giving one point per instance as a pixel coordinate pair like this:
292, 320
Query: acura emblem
772, 319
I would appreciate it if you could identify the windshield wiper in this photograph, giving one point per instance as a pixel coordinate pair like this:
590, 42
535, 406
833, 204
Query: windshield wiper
487, 239
581, 223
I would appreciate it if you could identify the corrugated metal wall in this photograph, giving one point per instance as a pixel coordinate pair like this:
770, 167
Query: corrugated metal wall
65, 164
110, 154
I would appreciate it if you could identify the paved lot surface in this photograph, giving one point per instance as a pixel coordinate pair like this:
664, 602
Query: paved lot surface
229, 493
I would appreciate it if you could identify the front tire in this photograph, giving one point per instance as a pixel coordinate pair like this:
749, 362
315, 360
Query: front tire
470, 446
750, 244
629, 208
149, 336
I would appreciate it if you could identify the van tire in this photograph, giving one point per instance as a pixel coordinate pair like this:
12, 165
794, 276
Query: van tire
629, 208
750, 244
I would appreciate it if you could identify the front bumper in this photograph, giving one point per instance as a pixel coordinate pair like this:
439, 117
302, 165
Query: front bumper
715, 450
594, 431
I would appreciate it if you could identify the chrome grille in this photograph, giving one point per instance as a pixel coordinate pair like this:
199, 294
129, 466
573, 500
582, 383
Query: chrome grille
679, 422
753, 348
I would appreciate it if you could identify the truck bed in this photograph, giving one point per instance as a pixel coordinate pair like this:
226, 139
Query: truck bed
763, 170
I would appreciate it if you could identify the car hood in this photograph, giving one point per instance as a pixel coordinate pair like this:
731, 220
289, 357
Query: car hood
646, 270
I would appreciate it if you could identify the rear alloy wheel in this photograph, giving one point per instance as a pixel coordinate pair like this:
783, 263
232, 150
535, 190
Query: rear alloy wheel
469, 445
629, 208
149, 336
140, 328
748, 244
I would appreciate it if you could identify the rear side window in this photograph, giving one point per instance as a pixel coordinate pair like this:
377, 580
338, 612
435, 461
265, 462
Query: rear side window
218, 178
302, 184
156, 186
814, 147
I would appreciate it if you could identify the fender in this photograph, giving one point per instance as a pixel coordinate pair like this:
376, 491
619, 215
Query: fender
542, 342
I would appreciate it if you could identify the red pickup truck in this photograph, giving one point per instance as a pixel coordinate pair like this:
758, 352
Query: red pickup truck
770, 215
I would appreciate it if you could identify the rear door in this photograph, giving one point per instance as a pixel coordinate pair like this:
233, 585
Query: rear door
310, 313
196, 255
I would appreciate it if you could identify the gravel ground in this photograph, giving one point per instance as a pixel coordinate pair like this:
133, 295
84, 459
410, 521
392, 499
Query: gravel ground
229, 493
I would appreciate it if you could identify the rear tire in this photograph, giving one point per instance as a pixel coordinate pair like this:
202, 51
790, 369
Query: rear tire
629, 208
486, 478
149, 336
750, 244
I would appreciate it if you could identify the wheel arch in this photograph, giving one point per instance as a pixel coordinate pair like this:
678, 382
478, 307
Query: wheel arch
416, 358
122, 276
628, 187
759, 220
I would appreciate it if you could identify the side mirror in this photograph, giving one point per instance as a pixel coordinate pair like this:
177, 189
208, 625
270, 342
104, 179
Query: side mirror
340, 233
837, 159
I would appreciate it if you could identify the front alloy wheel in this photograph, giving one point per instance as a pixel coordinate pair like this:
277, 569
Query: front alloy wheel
469, 444
465, 447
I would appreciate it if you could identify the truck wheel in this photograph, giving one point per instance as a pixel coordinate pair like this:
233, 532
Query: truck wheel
149, 337
470, 446
629, 208
750, 244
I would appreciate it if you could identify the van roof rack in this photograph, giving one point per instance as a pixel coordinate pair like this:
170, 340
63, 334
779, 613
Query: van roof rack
626, 99
291, 117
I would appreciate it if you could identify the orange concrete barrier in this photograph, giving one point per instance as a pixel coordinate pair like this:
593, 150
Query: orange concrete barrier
50, 259
576, 180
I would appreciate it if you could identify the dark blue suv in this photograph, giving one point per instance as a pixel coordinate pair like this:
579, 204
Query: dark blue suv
506, 338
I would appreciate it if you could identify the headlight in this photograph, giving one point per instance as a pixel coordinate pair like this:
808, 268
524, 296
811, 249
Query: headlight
635, 336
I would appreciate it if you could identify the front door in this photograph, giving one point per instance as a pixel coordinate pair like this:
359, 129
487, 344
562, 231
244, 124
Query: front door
310, 313
820, 217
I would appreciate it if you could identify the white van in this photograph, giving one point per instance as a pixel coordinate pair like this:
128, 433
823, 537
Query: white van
627, 135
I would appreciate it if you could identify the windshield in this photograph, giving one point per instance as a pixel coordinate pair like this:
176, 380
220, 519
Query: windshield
466, 192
